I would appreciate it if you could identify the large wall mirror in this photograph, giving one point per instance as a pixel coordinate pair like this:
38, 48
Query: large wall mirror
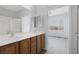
14, 19
9, 25
10, 19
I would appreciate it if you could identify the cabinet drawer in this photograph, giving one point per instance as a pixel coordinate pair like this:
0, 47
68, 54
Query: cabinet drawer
33, 41
9, 49
42, 41
24, 46
38, 44
33, 45
33, 50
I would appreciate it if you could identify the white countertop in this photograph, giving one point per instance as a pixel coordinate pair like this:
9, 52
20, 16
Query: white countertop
7, 39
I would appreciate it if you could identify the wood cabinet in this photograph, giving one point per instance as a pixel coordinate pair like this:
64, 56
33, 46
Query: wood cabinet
24, 46
38, 44
33, 45
9, 49
42, 41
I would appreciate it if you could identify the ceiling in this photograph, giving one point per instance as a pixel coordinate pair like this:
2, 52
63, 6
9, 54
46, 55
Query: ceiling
49, 7
21, 7
12, 7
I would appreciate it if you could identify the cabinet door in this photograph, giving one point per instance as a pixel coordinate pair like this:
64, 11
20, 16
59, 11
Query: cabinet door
9, 49
33, 45
42, 41
25, 46
38, 44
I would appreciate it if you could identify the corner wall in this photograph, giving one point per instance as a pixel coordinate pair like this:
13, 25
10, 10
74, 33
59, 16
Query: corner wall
73, 44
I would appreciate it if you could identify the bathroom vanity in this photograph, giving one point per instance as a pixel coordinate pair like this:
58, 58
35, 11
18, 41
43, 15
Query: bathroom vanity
23, 44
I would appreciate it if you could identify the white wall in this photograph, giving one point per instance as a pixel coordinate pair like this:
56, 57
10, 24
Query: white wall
9, 13
25, 16
15, 25
4, 25
26, 22
73, 29
23, 13
28, 10
9, 25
